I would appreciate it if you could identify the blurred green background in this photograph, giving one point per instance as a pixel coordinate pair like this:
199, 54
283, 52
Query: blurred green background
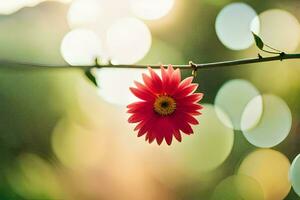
63, 138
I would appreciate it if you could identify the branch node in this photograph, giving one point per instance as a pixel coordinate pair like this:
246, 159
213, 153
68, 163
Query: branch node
194, 68
97, 62
282, 54
259, 56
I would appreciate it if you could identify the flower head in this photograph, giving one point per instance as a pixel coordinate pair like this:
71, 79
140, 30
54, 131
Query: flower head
167, 106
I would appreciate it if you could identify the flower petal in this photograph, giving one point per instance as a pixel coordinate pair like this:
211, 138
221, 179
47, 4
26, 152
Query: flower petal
182, 125
141, 106
193, 98
190, 119
151, 137
168, 130
186, 82
135, 118
133, 105
142, 87
176, 76
170, 70
159, 138
177, 135
188, 108
140, 125
148, 125
186, 128
156, 80
186, 91
173, 83
165, 77
169, 137
142, 94
154, 84
142, 131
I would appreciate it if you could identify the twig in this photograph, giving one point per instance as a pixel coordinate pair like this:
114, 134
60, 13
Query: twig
281, 57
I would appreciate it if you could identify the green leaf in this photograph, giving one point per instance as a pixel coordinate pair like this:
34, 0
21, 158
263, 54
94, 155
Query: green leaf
91, 77
258, 41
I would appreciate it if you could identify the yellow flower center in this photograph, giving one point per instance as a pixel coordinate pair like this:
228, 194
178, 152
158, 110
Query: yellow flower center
164, 105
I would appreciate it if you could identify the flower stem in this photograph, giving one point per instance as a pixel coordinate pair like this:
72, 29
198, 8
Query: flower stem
280, 57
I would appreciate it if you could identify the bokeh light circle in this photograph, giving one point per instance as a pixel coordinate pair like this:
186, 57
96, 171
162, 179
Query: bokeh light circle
234, 24
232, 98
114, 84
271, 169
280, 29
151, 9
295, 174
81, 47
78, 147
274, 125
238, 187
10, 6
128, 41
84, 12
97, 15
210, 145
34, 178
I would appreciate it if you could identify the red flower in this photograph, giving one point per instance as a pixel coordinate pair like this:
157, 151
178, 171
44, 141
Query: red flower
167, 106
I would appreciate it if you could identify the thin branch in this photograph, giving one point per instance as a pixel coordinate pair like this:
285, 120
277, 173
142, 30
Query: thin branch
273, 48
271, 52
282, 56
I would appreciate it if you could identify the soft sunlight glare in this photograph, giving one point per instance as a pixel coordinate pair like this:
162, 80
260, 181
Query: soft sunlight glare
81, 47
274, 125
280, 29
114, 84
128, 41
151, 9
234, 25
271, 169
